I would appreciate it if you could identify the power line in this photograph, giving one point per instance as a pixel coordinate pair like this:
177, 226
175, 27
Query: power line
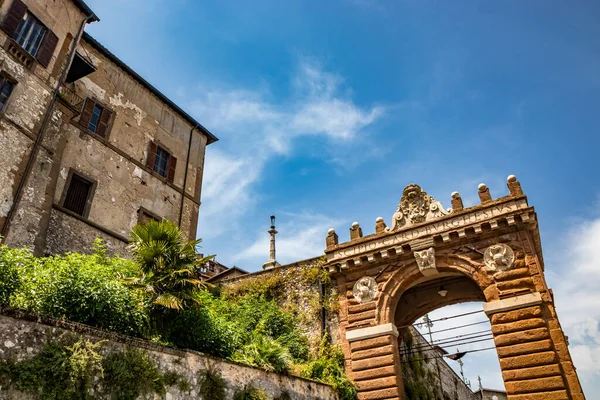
460, 343
466, 336
441, 319
447, 355
461, 326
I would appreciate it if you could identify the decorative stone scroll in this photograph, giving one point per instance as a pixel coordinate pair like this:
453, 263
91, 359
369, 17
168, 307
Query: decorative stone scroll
365, 289
416, 206
499, 257
426, 261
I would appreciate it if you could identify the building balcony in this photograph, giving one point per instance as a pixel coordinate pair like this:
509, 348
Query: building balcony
70, 100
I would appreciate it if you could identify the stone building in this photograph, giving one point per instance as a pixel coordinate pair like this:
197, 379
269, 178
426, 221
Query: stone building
89, 148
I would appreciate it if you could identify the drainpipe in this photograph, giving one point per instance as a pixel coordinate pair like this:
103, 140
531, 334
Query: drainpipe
185, 174
40, 135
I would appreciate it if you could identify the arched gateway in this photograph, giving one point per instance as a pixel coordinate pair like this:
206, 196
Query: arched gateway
490, 252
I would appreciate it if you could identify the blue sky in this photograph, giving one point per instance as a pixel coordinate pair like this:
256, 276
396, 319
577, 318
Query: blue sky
326, 110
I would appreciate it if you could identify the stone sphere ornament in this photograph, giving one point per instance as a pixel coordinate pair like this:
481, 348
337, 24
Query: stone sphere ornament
365, 289
499, 257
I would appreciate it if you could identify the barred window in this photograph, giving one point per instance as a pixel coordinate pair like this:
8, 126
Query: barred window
78, 194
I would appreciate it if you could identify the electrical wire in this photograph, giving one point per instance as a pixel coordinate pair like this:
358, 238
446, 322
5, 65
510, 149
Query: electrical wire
412, 351
439, 319
466, 336
461, 326
447, 355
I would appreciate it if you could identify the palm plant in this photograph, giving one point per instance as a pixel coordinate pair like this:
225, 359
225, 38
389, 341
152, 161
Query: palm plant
168, 264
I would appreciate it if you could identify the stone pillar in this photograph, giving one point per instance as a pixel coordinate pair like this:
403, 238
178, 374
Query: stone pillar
375, 364
533, 357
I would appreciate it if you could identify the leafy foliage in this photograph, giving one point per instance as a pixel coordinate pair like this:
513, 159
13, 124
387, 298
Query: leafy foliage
167, 263
264, 352
212, 385
328, 367
57, 372
157, 296
10, 280
250, 393
130, 374
81, 288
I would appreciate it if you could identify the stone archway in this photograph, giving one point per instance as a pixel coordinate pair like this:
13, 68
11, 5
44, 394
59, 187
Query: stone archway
491, 252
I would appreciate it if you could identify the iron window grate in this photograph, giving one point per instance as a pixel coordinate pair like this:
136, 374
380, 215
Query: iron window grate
77, 194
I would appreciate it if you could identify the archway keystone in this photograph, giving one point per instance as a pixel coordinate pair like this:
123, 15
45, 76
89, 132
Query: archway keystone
490, 252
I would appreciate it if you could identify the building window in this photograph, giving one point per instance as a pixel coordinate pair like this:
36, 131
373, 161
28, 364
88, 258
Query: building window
161, 161
95, 118
30, 33
145, 216
31, 37
78, 194
6, 87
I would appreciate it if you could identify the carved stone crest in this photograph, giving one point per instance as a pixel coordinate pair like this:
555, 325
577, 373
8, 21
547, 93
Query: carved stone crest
365, 289
499, 257
426, 261
416, 206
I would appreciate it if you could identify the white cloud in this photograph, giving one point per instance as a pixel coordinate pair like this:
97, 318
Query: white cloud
254, 128
575, 277
303, 236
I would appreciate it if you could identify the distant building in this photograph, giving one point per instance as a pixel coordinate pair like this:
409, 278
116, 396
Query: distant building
491, 394
89, 148
210, 269
230, 273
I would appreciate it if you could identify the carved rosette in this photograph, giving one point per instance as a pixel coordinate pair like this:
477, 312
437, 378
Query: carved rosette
416, 206
426, 261
499, 257
365, 289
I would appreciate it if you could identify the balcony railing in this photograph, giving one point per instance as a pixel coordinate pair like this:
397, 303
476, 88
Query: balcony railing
69, 98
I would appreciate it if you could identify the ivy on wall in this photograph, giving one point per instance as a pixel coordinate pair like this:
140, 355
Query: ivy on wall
420, 383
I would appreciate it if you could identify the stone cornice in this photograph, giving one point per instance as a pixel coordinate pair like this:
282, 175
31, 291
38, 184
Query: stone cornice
506, 210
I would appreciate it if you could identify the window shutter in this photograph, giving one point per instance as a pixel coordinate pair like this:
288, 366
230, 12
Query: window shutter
103, 123
46, 50
14, 15
86, 113
151, 155
172, 163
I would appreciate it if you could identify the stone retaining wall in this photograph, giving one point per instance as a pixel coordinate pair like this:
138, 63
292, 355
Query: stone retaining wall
23, 335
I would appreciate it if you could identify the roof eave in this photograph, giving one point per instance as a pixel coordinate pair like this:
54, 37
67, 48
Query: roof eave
106, 53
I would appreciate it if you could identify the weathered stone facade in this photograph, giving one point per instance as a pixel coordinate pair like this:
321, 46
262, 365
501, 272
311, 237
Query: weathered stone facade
115, 155
22, 337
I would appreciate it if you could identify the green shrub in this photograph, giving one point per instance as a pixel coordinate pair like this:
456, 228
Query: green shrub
83, 288
212, 385
266, 353
10, 260
328, 367
250, 393
130, 374
199, 329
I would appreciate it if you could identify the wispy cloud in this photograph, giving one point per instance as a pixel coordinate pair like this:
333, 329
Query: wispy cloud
254, 127
575, 278
301, 237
